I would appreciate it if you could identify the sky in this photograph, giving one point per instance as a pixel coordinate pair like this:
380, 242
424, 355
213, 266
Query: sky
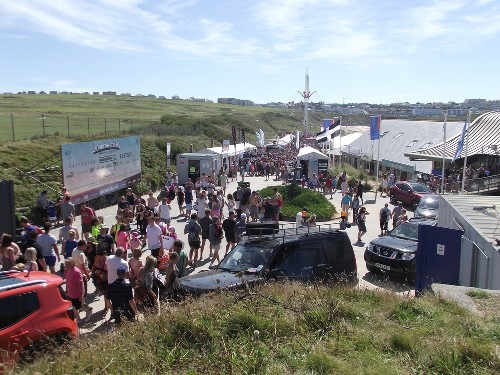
355, 51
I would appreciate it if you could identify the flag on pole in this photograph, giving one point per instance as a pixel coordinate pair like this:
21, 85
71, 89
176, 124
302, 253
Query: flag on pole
374, 127
335, 124
460, 145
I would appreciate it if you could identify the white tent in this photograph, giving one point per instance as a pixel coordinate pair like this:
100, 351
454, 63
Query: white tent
309, 153
285, 140
240, 149
335, 143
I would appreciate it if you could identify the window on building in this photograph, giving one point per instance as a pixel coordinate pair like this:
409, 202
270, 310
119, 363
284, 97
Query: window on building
398, 135
412, 143
425, 145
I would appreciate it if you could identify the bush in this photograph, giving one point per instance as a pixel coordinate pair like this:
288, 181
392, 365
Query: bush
296, 197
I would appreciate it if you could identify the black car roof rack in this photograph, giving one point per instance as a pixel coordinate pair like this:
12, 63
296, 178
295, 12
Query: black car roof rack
284, 230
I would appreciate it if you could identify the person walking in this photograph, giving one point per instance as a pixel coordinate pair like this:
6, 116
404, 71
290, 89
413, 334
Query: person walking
396, 213
205, 223
215, 237
229, 226
359, 191
384, 217
346, 203
49, 246
362, 222
121, 294
193, 230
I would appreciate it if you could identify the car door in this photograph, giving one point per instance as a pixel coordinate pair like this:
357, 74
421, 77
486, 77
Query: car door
404, 193
16, 329
296, 260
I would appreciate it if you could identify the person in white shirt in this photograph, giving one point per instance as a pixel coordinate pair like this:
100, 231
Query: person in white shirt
164, 211
80, 259
153, 238
113, 262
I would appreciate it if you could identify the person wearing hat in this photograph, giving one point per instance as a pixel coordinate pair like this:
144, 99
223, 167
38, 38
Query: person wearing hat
241, 225
121, 295
105, 241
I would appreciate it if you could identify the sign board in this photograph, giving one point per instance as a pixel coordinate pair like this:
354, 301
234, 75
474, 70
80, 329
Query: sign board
225, 145
168, 154
93, 169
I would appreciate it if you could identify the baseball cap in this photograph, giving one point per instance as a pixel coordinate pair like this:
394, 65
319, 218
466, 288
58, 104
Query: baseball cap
243, 216
121, 271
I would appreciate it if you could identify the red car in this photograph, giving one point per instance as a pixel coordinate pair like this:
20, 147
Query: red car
408, 193
33, 309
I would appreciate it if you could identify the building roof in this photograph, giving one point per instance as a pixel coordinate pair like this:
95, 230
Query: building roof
345, 142
484, 132
399, 137
478, 212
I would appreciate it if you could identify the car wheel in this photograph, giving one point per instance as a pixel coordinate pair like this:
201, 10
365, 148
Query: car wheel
372, 269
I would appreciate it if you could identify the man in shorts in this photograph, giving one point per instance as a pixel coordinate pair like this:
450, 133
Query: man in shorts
49, 246
205, 222
229, 226
193, 230
87, 215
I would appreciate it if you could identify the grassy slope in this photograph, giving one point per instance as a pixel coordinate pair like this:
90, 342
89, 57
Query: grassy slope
293, 329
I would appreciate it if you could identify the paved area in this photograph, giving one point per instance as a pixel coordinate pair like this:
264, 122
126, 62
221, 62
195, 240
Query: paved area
366, 280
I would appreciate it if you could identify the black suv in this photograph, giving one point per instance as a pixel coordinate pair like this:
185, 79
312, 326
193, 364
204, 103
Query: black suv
298, 254
395, 252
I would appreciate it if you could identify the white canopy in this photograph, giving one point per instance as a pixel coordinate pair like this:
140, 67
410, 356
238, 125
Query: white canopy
285, 140
309, 153
240, 149
346, 140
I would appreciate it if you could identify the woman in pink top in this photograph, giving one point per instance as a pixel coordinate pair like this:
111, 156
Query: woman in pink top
123, 239
75, 288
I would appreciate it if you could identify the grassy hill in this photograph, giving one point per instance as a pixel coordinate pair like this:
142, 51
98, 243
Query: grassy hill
290, 328
41, 123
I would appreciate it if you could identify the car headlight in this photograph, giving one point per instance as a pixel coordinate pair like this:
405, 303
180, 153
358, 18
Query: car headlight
407, 256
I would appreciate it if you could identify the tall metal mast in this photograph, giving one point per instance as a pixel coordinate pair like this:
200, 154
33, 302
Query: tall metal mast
306, 95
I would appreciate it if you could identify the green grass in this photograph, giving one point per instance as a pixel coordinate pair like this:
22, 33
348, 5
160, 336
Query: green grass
478, 294
295, 197
288, 328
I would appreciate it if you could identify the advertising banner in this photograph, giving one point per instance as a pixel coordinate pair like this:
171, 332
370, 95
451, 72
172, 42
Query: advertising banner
93, 169
225, 145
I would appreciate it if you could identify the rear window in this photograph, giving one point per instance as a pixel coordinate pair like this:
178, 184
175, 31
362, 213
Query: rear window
16, 308
6, 281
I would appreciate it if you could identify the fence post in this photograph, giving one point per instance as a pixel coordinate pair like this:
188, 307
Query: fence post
88, 125
12, 124
105, 126
119, 127
67, 119
43, 125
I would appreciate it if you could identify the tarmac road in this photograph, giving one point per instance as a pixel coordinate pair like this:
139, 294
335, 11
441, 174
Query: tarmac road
99, 322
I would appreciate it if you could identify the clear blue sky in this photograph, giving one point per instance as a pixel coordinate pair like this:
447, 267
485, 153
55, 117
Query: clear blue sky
365, 51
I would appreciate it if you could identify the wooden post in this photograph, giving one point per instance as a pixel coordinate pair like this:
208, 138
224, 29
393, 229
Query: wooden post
67, 119
12, 124
43, 125
105, 126
88, 125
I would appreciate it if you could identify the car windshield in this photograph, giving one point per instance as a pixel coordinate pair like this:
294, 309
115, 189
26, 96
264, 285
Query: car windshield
419, 188
429, 204
405, 231
246, 257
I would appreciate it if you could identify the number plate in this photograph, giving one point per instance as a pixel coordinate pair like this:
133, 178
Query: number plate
382, 266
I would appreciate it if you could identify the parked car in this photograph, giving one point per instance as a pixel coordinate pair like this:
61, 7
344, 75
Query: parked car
304, 254
395, 253
427, 207
34, 310
408, 193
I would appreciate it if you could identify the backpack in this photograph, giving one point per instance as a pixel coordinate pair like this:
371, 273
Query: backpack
192, 235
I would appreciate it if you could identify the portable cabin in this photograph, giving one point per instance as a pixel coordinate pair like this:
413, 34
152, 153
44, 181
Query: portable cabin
194, 165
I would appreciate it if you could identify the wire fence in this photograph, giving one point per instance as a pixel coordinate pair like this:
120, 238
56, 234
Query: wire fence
18, 127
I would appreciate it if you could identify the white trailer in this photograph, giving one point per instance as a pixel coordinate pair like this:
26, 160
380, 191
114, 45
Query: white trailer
193, 165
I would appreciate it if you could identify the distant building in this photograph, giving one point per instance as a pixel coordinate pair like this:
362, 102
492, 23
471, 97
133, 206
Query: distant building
457, 112
110, 93
423, 111
42, 93
197, 99
31, 92
161, 97
235, 101
95, 93
176, 97
152, 96
53, 92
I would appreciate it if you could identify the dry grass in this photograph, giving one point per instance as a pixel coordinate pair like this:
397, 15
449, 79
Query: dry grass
290, 328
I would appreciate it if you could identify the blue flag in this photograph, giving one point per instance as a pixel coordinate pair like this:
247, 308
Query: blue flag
460, 145
374, 127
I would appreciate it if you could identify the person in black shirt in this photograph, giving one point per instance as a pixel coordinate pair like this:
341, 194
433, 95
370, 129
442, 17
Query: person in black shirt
105, 242
268, 209
121, 295
31, 242
229, 226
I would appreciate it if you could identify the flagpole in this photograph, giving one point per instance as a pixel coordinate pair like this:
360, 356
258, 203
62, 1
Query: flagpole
444, 150
340, 143
378, 159
466, 145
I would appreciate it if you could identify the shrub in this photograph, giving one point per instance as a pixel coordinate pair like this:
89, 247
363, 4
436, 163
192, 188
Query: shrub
296, 197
